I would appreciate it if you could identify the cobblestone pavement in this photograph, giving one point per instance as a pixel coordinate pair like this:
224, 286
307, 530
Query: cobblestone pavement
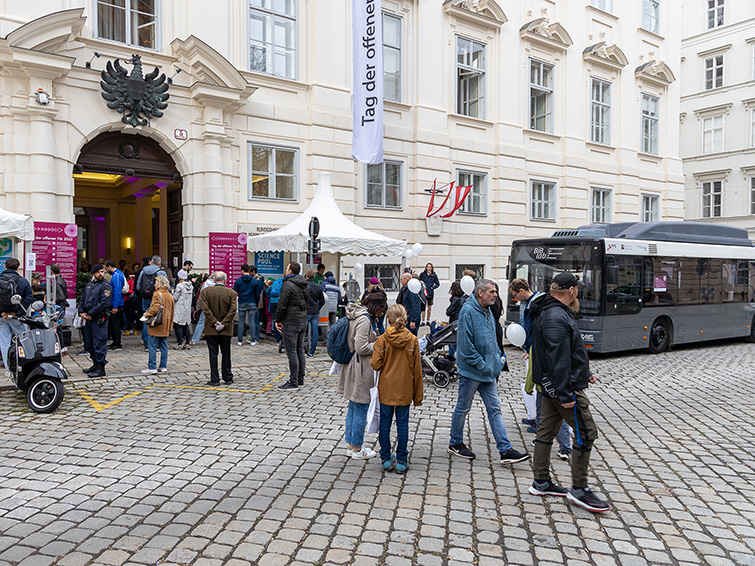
163, 470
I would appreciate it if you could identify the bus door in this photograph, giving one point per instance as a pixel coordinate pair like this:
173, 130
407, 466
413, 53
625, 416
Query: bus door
623, 302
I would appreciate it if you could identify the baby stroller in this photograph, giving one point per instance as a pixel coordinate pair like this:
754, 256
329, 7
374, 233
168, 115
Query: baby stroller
435, 361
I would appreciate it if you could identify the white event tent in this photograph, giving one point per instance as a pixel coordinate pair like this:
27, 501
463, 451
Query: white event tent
12, 225
338, 234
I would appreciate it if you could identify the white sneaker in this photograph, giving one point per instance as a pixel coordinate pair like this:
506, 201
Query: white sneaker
162, 370
149, 371
240, 343
253, 343
363, 454
349, 452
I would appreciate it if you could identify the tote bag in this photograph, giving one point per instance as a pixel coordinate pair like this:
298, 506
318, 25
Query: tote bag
373, 411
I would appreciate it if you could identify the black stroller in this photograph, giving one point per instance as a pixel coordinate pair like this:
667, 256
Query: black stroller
435, 359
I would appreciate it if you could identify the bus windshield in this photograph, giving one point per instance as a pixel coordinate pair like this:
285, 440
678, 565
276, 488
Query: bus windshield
538, 262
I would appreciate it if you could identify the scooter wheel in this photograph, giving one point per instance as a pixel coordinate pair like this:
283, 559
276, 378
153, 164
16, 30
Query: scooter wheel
441, 379
45, 394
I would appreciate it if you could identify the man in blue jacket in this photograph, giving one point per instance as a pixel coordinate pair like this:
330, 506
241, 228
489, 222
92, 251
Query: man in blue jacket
117, 281
479, 362
412, 303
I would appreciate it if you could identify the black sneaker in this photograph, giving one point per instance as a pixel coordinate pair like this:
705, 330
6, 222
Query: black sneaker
585, 499
462, 451
529, 422
213, 383
511, 456
541, 488
288, 385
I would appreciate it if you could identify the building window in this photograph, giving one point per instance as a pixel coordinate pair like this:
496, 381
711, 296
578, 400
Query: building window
650, 124
712, 199
391, 57
128, 21
272, 41
478, 268
388, 274
601, 206
650, 208
651, 11
470, 78
752, 195
475, 203
384, 185
714, 72
715, 13
605, 5
543, 202
752, 127
541, 96
273, 172
600, 112
713, 134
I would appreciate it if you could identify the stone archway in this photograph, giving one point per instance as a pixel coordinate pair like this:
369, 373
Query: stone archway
127, 199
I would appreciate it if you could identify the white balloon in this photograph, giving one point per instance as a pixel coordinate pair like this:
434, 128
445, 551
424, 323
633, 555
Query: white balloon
358, 268
408, 254
417, 249
414, 285
467, 285
516, 334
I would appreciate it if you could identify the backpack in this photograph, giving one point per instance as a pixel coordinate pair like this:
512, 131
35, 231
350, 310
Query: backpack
8, 288
147, 287
338, 341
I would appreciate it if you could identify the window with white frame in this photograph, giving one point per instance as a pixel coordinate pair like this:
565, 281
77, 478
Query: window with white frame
651, 14
543, 200
601, 206
650, 208
714, 72
128, 21
272, 37
715, 13
273, 172
713, 134
476, 201
650, 111
712, 199
541, 96
391, 57
605, 5
752, 195
600, 112
752, 127
384, 185
470, 78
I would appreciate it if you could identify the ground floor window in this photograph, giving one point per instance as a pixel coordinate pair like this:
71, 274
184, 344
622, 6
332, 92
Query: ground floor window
388, 274
478, 268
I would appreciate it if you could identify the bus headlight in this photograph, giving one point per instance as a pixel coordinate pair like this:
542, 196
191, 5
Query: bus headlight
588, 338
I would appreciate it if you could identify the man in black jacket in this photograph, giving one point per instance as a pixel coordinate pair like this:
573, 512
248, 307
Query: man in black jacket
12, 284
562, 369
94, 307
291, 321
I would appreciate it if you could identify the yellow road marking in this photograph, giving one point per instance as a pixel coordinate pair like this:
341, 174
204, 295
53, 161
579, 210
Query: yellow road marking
99, 407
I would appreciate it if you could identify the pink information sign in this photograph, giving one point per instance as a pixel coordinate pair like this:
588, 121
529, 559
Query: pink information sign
228, 254
55, 242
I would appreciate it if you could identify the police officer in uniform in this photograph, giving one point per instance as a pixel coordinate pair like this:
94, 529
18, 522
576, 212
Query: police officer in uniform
94, 308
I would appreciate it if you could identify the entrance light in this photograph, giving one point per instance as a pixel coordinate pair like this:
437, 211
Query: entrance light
42, 97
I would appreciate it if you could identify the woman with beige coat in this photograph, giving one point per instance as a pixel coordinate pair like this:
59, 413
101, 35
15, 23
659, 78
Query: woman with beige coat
357, 378
158, 334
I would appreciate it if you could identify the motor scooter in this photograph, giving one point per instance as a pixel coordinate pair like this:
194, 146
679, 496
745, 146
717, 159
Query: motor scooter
34, 358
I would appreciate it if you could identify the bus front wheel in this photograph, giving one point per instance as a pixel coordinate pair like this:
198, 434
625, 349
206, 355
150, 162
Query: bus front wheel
659, 337
751, 337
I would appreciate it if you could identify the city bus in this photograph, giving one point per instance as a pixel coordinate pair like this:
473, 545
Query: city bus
648, 284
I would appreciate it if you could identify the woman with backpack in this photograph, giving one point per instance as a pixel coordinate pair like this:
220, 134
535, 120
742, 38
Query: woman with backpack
357, 378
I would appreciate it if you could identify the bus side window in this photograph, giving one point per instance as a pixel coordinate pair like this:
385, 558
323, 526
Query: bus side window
626, 295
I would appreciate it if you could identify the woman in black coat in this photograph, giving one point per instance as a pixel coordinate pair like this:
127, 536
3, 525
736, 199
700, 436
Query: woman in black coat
431, 281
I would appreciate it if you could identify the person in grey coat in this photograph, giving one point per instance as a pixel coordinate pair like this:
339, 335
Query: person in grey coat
182, 313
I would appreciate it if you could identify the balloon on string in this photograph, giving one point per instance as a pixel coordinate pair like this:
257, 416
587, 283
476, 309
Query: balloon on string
417, 249
408, 254
358, 268
414, 286
516, 334
467, 285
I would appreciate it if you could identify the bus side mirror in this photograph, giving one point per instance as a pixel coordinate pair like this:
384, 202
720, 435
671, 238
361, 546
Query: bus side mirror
612, 274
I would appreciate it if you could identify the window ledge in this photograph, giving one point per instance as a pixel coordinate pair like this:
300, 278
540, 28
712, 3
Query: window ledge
471, 121
543, 219
386, 208
478, 214
591, 8
653, 156
652, 34
393, 105
545, 136
281, 83
600, 146
273, 199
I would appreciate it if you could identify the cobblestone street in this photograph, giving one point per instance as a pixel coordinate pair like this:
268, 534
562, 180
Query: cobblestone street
136, 469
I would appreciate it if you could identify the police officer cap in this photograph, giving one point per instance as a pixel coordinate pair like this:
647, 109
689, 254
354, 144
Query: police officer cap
96, 267
567, 280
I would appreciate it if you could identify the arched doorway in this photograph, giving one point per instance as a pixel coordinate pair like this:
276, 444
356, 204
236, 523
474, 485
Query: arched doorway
127, 200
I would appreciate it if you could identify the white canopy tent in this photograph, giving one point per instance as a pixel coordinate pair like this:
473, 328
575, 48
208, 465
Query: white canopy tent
338, 234
14, 225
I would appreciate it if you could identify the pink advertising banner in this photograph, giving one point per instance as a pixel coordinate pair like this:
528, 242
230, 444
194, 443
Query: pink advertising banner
227, 254
55, 242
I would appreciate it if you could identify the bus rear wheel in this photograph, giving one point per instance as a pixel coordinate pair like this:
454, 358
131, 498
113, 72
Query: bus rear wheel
659, 337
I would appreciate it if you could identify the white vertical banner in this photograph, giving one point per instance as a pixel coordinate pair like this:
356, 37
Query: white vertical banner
367, 139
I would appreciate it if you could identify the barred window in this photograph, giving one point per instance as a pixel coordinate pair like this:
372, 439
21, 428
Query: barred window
478, 268
388, 274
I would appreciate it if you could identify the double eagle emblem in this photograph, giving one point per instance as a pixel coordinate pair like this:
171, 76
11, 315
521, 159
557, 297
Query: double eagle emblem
137, 97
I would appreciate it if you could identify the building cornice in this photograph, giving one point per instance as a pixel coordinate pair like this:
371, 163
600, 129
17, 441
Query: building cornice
713, 110
717, 32
714, 51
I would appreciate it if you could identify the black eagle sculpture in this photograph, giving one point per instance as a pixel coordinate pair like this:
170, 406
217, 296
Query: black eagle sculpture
137, 97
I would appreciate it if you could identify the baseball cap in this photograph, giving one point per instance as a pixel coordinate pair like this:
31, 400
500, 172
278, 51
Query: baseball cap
567, 280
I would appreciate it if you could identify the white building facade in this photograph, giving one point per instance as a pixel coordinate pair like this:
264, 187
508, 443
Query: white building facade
718, 111
555, 117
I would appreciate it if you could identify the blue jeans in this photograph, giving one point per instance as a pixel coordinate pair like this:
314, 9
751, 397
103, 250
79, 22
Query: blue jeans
402, 431
145, 307
255, 331
313, 322
246, 310
564, 442
356, 420
9, 327
488, 391
156, 342
198, 330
